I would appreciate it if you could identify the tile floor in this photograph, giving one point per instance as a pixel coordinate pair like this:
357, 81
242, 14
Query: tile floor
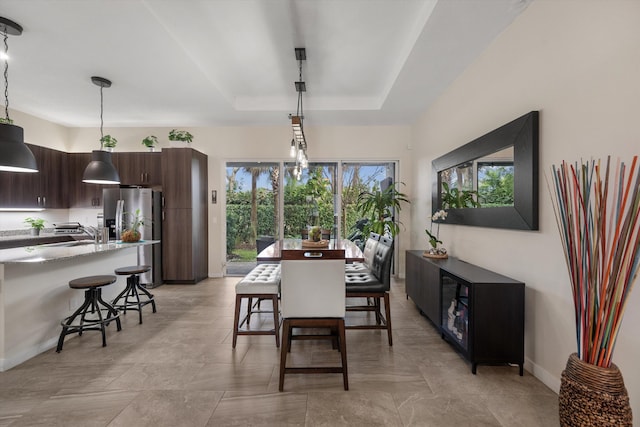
178, 369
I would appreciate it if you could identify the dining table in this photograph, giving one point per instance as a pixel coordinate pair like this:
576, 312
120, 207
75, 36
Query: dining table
273, 252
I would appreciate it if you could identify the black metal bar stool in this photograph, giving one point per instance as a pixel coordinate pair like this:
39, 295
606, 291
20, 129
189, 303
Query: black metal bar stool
91, 310
131, 293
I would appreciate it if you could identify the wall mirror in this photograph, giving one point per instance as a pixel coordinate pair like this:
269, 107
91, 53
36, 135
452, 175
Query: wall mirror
493, 180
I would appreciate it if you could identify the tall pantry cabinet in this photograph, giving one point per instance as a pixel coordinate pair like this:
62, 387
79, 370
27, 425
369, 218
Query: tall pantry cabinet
185, 226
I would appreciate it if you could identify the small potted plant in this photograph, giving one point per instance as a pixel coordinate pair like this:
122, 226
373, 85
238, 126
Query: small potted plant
150, 142
132, 233
108, 143
36, 224
315, 233
180, 135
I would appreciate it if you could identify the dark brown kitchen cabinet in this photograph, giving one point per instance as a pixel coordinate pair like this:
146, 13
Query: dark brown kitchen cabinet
43, 189
185, 226
81, 194
479, 312
143, 169
53, 189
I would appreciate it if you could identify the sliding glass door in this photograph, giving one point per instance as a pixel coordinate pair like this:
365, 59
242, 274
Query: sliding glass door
253, 212
265, 202
310, 200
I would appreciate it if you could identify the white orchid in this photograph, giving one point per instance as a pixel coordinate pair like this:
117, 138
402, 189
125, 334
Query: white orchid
434, 238
441, 214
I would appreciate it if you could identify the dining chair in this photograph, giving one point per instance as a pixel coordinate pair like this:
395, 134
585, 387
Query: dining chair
312, 291
367, 255
373, 284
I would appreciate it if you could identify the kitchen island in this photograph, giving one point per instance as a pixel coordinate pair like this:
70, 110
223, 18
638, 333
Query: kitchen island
35, 295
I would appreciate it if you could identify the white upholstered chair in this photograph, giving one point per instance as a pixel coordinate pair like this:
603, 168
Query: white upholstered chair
312, 295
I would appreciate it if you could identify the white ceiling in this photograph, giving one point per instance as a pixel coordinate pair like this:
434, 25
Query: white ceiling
232, 62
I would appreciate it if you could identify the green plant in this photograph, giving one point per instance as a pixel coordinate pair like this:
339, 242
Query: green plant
132, 233
180, 135
434, 239
379, 206
6, 121
108, 141
150, 141
37, 223
453, 198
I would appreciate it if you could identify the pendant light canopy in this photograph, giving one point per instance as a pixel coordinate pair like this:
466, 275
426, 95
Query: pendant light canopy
15, 156
101, 169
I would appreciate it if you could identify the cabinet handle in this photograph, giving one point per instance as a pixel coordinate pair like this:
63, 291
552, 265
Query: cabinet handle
38, 201
44, 201
163, 215
141, 176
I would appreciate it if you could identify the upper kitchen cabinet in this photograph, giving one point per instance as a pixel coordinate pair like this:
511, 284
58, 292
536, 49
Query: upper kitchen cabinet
43, 189
184, 180
81, 194
143, 169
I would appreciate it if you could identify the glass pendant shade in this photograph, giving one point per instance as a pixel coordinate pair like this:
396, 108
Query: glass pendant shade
15, 156
101, 169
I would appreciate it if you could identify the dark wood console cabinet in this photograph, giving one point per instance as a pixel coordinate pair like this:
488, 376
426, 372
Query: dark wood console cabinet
479, 312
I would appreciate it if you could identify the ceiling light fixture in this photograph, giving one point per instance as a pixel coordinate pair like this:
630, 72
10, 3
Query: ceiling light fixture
299, 142
15, 156
101, 169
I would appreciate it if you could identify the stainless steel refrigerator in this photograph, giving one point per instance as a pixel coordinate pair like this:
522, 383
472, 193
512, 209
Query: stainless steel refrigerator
119, 205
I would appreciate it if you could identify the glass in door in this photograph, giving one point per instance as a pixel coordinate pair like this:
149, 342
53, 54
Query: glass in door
252, 212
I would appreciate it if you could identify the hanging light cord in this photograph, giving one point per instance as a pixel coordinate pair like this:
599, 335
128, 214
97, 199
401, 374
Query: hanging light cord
101, 121
6, 79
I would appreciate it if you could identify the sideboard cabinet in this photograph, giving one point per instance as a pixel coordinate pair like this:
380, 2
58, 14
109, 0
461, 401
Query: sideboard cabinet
479, 312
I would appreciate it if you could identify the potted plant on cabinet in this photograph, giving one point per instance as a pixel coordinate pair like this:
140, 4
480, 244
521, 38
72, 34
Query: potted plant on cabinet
181, 136
132, 234
36, 224
150, 142
108, 143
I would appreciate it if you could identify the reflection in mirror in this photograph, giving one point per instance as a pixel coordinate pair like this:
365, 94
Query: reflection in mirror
497, 172
495, 179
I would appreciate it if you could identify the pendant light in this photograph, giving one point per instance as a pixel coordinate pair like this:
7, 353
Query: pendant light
299, 142
101, 169
15, 156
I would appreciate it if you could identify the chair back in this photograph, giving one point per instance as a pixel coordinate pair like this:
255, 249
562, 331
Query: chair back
381, 266
369, 251
312, 288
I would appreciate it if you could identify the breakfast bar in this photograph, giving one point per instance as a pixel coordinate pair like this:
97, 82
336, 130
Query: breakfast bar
34, 291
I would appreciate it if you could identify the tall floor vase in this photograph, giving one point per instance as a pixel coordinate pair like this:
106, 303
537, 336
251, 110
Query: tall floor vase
593, 396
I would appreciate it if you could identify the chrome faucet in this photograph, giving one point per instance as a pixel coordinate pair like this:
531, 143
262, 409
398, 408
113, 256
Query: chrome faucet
89, 231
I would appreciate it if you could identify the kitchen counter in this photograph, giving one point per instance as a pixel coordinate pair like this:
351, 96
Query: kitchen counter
35, 294
63, 250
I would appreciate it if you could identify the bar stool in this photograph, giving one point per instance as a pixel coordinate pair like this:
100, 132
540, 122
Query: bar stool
262, 283
131, 292
91, 306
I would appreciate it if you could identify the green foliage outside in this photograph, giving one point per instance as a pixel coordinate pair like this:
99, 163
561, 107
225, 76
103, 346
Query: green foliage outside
305, 204
496, 187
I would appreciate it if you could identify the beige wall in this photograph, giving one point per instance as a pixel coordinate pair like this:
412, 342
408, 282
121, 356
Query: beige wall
578, 63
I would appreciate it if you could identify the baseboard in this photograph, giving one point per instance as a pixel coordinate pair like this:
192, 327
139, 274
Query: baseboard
543, 375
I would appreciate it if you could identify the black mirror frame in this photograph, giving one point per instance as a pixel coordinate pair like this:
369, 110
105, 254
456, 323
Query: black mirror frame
522, 133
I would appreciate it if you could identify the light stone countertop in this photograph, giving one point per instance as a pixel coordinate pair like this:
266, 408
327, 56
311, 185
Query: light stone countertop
63, 250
